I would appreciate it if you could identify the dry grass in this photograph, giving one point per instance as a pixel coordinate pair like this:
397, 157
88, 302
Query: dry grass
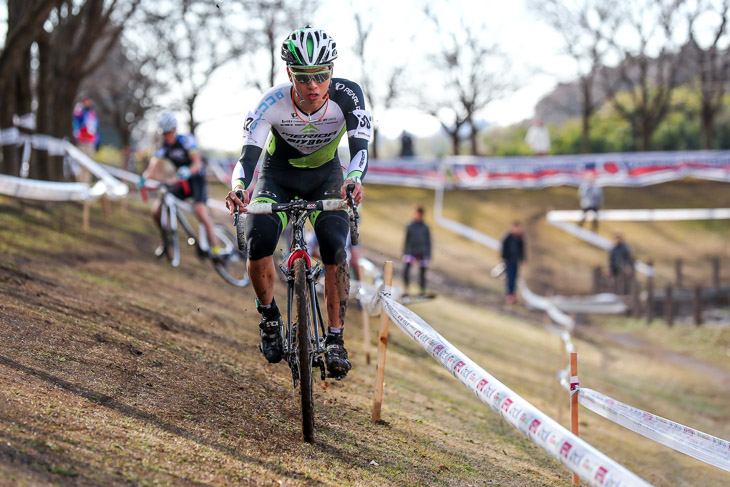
117, 369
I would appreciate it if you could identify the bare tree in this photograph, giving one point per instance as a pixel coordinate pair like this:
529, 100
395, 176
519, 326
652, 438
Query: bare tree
712, 60
267, 30
377, 99
124, 89
586, 26
192, 39
25, 20
77, 38
647, 48
474, 75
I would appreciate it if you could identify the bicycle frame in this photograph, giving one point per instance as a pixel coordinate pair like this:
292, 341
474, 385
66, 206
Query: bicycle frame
298, 250
174, 209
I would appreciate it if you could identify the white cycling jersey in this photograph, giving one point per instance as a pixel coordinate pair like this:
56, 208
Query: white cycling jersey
306, 140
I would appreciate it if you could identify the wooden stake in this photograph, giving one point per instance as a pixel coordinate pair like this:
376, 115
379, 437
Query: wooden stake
365, 324
668, 306
85, 177
650, 294
678, 272
561, 365
107, 207
698, 305
574, 400
382, 347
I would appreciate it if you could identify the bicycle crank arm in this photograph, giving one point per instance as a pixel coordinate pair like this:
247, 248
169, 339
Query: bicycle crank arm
318, 362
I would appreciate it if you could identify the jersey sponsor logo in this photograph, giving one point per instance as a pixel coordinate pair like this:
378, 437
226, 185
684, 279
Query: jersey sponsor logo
309, 129
312, 136
359, 162
339, 86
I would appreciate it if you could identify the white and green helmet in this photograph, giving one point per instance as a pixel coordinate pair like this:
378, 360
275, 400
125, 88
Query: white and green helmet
308, 47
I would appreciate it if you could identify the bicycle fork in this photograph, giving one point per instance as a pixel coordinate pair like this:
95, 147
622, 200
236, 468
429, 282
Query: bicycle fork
289, 338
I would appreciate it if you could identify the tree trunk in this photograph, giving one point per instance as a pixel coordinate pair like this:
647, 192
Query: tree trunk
9, 162
473, 140
707, 118
15, 94
586, 117
455, 141
191, 106
39, 169
55, 108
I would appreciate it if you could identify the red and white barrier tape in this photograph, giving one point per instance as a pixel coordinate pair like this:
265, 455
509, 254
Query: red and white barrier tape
692, 442
592, 466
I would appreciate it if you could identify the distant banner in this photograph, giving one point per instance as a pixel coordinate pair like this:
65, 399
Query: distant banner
418, 173
622, 169
625, 169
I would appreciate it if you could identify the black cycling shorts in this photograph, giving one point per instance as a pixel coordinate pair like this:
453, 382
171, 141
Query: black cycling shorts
281, 182
197, 188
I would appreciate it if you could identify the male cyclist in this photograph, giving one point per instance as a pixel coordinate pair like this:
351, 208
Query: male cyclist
182, 151
307, 117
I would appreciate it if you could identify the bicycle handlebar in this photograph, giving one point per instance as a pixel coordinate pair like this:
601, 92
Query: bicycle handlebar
320, 205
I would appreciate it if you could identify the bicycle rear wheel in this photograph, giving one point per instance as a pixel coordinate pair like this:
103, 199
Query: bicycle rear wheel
304, 346
231, 264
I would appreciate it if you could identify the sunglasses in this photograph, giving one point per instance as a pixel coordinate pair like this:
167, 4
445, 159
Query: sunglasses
318, 76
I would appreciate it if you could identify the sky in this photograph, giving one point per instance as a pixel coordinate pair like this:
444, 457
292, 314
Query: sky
533, 49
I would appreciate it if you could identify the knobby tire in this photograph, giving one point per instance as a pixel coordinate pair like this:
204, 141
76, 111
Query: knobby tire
171, 240
304, 344
233, 267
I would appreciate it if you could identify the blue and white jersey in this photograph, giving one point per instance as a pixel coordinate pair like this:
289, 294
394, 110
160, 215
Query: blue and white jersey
179, 152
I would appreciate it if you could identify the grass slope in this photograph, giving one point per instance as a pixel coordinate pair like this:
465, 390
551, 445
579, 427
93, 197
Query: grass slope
116, 369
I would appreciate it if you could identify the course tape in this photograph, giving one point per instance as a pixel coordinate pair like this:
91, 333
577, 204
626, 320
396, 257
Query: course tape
42, 190
644, 215
51, 190
592, 466
707, 448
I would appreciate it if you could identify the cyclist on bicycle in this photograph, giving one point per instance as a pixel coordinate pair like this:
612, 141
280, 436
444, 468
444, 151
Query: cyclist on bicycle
182, 151
307, 117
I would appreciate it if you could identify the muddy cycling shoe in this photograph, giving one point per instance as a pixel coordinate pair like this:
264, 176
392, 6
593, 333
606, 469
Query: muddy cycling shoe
270, 344
335, 356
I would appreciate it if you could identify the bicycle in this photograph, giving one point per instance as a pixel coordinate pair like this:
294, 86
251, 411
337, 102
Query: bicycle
303, 337
230, 262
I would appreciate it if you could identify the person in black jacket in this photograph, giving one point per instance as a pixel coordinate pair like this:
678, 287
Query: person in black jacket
620, 259
417, 249
513, 253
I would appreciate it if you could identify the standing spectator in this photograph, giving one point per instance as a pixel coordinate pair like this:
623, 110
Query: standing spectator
86, 126
513, 254
591, 199
620, 264
538, 138
406, 145
417, 249
620, 259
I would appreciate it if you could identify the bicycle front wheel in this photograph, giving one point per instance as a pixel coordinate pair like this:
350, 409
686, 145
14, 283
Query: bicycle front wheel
169, 231
304, 347
231, 263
